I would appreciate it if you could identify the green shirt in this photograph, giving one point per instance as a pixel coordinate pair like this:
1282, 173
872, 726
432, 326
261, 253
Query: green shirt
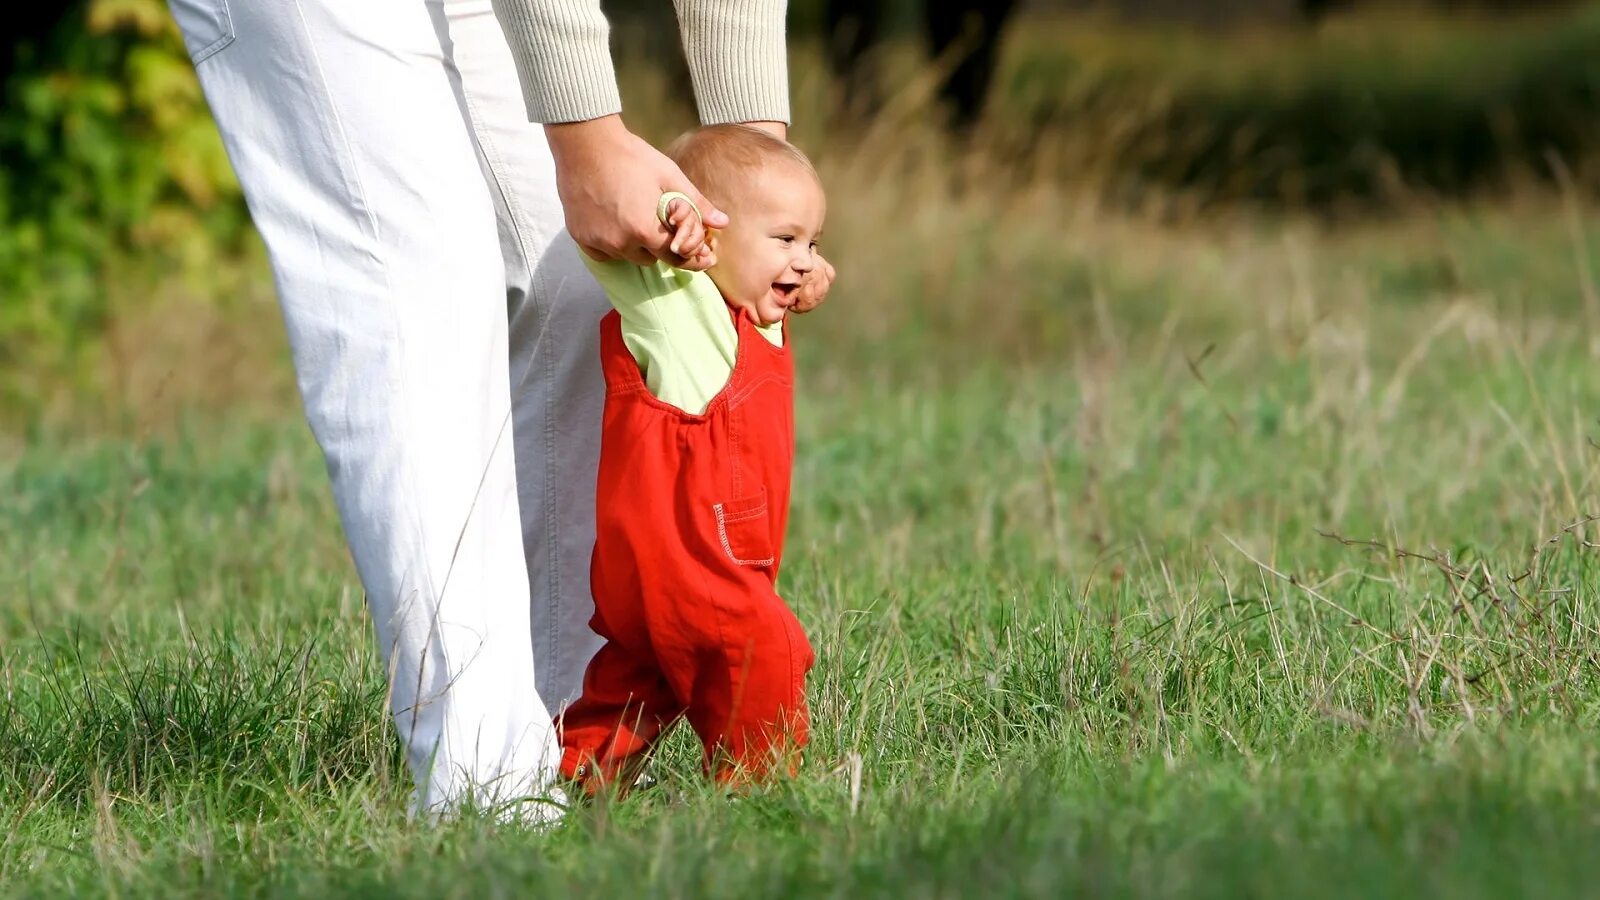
677, 326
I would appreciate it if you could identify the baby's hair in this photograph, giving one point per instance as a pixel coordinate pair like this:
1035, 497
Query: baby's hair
708, 155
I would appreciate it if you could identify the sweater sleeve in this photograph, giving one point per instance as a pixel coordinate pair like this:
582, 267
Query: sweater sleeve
563, 56
735, 49
738, 58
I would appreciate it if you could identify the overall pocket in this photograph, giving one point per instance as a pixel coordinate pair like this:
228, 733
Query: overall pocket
207, 26
744, 531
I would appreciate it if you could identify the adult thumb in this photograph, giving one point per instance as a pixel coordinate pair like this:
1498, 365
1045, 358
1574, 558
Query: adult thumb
709, 213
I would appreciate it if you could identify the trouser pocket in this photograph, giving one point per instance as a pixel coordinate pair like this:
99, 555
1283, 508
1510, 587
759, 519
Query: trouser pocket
207, 26
744, 531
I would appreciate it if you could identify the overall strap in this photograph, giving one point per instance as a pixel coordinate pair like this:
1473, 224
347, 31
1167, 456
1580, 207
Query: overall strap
620, 369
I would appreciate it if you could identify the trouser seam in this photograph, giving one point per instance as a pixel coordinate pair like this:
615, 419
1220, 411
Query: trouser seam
538, 294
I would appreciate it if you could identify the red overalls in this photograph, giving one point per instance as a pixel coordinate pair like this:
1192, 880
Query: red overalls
690, 517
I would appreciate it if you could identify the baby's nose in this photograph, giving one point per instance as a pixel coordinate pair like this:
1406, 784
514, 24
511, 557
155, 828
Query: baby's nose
803, 263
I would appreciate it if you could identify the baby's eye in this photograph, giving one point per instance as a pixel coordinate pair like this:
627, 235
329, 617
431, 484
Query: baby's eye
786, 239
814, 246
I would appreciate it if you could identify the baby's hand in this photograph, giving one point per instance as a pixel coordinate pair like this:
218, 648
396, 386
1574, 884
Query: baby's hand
688, 230
814, 289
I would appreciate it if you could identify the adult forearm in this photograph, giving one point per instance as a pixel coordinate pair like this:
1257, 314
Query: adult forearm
563, 56
737, 59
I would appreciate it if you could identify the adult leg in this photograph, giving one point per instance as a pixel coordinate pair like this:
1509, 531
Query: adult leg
554, 307
339, 117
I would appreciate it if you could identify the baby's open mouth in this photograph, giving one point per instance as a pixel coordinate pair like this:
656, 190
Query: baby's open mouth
785, 292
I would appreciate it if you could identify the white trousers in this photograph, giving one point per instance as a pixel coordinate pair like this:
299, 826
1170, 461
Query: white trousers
444, 335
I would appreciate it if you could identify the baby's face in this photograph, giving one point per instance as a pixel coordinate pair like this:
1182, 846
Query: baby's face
770, 243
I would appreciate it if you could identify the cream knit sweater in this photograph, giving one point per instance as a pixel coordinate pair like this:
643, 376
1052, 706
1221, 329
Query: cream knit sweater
735, 50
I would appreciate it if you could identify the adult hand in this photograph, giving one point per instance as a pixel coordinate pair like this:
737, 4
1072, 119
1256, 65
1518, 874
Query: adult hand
609, 180
814, 289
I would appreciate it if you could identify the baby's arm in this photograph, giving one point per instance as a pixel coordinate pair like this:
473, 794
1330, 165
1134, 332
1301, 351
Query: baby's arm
678, 213
674, 322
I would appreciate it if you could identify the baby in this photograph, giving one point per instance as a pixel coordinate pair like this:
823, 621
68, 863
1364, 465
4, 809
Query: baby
693, 493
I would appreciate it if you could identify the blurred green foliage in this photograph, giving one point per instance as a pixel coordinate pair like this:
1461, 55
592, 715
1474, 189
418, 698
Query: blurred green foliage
106, 147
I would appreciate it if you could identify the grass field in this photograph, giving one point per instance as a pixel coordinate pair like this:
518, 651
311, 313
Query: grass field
1081, 536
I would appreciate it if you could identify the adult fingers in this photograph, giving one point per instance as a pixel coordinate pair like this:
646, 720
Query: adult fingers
657, 240
693, 257
708, 213
596, 253
641, 256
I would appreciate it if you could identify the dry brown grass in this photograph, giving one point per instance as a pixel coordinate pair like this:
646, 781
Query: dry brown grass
983, 271
984, 260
